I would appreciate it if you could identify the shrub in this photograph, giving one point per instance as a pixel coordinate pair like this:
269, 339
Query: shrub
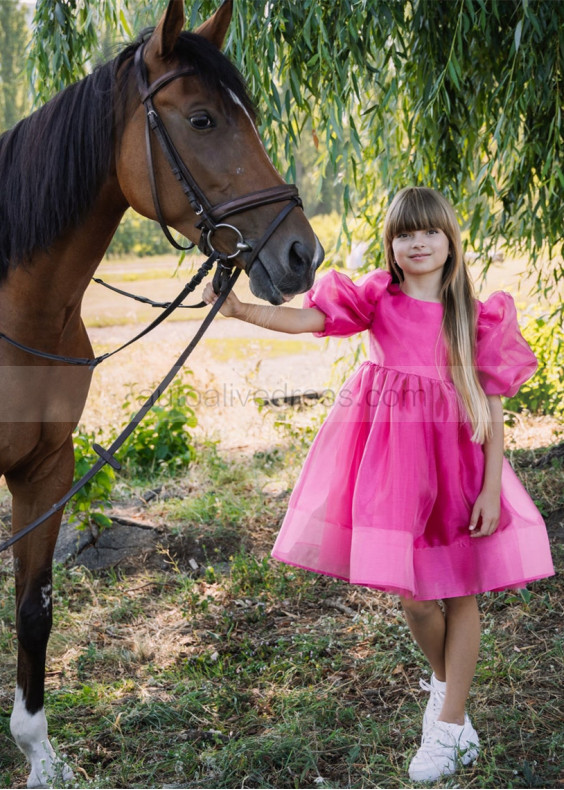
162, 442
88, 505
542, 394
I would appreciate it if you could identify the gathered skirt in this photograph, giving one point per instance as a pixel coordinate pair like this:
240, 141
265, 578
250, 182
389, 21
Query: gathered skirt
386, 493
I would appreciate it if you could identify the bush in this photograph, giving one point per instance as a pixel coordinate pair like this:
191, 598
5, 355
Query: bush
542, 394
162, 441
88, 505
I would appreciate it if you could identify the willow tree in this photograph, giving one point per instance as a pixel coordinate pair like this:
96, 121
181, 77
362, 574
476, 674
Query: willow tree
463, 95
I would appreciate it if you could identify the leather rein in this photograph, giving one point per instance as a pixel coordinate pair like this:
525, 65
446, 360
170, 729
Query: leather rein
211, 220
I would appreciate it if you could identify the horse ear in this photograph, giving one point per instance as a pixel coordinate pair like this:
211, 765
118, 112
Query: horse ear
165, 34
215, 28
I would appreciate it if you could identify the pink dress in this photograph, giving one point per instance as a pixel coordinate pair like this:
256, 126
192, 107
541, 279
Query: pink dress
385, 495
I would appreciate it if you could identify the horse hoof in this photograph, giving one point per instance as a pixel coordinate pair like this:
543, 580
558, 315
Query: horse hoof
57, 774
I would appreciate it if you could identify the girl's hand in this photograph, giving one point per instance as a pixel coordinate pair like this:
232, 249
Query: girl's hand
487, 508
279, 318
230, 308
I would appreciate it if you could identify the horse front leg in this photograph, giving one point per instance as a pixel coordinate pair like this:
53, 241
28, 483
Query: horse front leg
33, 493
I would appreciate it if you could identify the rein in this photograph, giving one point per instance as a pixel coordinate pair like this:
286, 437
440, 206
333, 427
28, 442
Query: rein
223, 280
142, 299
169, 307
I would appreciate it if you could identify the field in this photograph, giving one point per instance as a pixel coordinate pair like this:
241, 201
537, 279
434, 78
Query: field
203, 663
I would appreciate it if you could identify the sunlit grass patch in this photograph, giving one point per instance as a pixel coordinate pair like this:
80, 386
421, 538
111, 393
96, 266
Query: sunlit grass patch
227, 348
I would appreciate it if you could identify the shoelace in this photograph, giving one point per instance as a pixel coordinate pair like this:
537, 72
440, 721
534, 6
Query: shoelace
426, 686
436, 696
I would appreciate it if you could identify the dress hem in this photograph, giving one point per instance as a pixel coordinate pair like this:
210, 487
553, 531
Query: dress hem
389, 588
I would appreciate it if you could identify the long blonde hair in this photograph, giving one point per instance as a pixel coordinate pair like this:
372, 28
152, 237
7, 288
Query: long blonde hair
418, 208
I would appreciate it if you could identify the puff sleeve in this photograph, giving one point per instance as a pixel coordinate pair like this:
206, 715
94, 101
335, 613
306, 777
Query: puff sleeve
348, 306
503, 357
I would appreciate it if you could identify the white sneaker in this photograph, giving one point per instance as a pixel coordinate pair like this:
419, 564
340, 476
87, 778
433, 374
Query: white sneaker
445, 746
437, 691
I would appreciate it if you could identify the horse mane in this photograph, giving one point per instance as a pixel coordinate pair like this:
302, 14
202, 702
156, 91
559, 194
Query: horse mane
53, 163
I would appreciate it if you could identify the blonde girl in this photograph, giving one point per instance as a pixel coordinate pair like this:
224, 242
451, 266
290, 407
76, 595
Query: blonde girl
405, 488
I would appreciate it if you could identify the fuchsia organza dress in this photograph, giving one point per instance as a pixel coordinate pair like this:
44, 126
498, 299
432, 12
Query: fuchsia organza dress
385, 495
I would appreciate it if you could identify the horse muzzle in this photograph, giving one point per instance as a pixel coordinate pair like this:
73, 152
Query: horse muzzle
277, 278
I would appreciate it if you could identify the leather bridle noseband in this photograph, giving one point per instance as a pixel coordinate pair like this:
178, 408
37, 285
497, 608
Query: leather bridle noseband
211, 218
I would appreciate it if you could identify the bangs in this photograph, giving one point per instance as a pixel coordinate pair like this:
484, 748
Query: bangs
418, 208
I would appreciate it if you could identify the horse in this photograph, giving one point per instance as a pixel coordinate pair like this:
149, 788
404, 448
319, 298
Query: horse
68, 173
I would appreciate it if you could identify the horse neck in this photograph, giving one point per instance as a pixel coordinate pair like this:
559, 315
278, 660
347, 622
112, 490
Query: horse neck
54, 282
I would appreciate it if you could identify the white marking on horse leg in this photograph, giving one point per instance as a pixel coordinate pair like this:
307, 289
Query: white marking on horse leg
30, 733
46, 596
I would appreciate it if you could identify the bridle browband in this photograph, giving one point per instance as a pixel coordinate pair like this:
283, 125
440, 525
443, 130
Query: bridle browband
210, 217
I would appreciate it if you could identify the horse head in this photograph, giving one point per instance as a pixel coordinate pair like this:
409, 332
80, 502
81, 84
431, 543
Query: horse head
204, 111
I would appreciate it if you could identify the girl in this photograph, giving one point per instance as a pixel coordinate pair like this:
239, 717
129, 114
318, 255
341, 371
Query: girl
405, 488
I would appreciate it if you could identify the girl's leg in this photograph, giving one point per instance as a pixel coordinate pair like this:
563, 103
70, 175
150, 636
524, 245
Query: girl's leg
462, 645
449, 739
451, 643
428, 627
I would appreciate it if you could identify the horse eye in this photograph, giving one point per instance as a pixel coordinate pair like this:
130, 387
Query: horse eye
201, 121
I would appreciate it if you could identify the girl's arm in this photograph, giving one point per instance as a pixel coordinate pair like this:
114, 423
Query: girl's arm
280, 318
487, 505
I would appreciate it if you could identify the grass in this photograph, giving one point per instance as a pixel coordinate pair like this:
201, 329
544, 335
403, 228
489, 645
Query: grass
235, 348
250, 673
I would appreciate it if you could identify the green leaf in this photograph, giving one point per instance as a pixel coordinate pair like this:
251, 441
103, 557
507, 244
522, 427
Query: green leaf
452, 70
101, 520
518, 31
60, 14
125, 26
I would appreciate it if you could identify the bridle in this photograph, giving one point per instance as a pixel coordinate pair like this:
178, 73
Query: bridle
211, 218
210, 221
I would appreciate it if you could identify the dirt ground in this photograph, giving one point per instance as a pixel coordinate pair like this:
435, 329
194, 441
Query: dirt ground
235, 364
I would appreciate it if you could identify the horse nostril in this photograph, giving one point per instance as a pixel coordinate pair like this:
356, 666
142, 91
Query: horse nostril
299, 256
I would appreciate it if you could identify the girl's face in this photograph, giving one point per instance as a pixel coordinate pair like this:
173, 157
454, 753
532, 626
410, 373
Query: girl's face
419, 252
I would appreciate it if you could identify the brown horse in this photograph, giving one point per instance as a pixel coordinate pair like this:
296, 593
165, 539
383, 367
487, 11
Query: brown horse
68, 173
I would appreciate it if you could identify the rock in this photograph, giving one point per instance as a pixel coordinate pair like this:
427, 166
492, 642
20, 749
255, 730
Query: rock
71, 542
120, 544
